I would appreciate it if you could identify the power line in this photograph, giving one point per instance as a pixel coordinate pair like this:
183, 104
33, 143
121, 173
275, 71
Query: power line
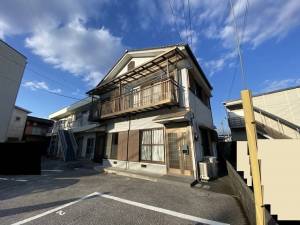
190, 21
185, 26
242, 37
175, 23
238, 45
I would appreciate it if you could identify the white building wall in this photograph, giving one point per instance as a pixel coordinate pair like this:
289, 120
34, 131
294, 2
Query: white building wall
12, 65
135, 124
16, 127
138, 61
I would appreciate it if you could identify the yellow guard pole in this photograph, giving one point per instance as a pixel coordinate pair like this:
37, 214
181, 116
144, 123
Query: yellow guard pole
252, 145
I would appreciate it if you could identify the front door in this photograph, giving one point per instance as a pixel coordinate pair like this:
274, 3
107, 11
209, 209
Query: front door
179, 152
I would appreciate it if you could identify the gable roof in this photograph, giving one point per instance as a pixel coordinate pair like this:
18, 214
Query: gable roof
129, 53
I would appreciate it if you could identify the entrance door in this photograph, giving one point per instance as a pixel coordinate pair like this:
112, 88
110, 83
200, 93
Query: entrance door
179, 152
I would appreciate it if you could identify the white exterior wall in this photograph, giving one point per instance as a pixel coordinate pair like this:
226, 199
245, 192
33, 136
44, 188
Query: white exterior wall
12, 65
16, 128
138, 61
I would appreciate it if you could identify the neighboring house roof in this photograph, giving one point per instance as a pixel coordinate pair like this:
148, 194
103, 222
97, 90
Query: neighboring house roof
71, 108
22, 109
261, 94
12, 48
133, 51
39, 120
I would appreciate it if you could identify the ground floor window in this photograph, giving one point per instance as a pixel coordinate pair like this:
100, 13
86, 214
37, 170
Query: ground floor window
152, 145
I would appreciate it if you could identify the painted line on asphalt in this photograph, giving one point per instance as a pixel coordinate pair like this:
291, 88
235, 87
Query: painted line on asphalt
129, 202
13, 179
55, 209
164, 211
52, 170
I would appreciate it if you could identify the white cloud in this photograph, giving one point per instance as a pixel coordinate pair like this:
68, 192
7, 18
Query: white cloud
39, 85
58, 32
79, 50
217, 65
279, 84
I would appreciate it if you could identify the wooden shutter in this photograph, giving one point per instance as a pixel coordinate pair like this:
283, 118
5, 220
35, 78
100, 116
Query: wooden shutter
133, 146
122, 145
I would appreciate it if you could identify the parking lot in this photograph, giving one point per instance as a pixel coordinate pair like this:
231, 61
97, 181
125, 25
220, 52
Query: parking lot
70, 195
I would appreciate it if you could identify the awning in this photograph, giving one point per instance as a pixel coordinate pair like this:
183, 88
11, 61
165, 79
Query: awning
177, 116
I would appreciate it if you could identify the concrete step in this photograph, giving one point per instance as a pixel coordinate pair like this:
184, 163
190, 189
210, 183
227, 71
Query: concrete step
169, 179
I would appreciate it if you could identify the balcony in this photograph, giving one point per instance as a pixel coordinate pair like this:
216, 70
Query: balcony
151, 97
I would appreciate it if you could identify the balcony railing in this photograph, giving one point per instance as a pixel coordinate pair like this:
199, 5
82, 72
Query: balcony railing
153, 96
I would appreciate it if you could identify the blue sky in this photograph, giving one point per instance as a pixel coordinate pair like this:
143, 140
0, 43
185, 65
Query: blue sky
71, 44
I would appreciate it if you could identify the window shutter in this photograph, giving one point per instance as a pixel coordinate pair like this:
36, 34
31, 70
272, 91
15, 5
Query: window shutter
133, 146
122, 146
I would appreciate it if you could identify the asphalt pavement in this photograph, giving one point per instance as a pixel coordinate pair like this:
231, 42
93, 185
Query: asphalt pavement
76, 194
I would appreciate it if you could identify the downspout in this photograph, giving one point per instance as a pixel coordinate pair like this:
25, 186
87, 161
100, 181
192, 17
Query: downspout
129, 124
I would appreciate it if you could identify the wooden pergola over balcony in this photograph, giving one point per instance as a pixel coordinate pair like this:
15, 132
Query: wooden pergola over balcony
148, 98
160, 62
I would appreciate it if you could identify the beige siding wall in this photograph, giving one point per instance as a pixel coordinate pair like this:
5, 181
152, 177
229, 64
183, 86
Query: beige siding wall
12, 66
16, 127
279, 160
285, 104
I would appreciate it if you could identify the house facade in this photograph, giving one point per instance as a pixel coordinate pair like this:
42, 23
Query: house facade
154, 109
12, 65
73, 136
17, 124
36, 128
277, 115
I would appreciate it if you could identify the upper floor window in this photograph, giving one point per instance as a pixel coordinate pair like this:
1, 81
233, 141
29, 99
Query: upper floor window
131, 65
18, 118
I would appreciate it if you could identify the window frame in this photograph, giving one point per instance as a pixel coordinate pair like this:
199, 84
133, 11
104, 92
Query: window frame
163, 144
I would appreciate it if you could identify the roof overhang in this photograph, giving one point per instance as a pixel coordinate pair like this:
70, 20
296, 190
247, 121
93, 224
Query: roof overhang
178, 116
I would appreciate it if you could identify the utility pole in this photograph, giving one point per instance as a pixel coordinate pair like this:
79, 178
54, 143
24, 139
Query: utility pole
251, 134
252, 146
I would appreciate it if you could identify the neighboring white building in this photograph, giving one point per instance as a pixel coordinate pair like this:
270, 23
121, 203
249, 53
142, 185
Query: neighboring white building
17, 124
277, 115
72, 123
155, 107
12, 65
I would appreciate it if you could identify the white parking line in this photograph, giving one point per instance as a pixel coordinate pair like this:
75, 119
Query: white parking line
54, 210
52, 170
165, 211
19, 180
133, 203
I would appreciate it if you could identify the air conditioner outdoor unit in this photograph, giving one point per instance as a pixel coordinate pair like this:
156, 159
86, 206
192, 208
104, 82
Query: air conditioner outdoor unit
208, 168
205, 171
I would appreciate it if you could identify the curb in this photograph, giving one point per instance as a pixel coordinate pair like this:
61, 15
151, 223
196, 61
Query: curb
132, 175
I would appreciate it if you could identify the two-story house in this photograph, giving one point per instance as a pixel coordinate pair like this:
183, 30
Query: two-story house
73, 135
154, 107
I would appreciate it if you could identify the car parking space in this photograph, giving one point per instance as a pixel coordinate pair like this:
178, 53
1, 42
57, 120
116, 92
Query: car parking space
63, 198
